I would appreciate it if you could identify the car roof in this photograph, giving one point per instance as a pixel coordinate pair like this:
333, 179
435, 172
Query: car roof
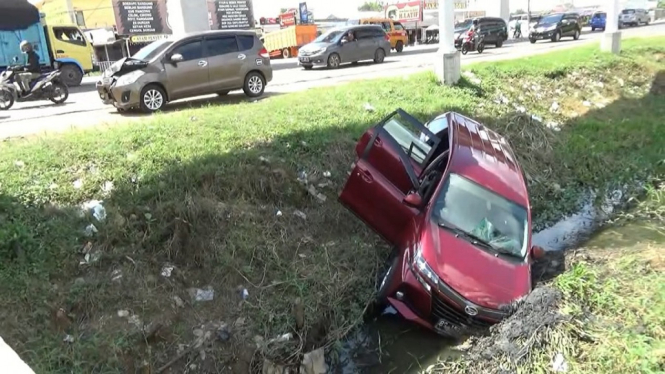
476, 150
214, 33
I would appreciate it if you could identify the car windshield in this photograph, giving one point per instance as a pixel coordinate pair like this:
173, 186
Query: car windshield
151, 50
331, 36
481, 213
628, 11
464, 24
599, 15
554, 18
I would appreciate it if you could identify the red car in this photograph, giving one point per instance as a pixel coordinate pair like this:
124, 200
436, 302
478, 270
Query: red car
452, 200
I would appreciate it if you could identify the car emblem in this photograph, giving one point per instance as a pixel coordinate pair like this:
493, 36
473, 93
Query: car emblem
470, 310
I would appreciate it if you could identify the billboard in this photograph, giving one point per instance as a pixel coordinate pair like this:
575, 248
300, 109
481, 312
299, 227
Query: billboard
404, 12
151, 17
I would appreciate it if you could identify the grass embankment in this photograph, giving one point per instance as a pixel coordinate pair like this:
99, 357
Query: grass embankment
201, 190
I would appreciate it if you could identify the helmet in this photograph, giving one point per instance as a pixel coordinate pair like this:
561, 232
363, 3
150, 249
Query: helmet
25, 46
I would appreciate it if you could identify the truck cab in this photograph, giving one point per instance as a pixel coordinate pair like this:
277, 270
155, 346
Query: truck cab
59, 47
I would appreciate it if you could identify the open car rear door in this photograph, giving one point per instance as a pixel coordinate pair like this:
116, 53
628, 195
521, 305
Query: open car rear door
390, 158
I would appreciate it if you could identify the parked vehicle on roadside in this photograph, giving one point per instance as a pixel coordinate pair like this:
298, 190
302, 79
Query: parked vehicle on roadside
598, 21
180, 67
556, 26
48, 86
634, 17
451, 199
493, 30
395, 30
349, 44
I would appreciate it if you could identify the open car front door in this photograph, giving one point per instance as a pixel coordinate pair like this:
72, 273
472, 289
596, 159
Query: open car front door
390, 157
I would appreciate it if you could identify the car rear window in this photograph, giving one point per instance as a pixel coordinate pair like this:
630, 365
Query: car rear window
628, 11
246, 42
398, 26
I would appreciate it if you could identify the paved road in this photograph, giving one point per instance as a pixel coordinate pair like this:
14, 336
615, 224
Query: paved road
85, 109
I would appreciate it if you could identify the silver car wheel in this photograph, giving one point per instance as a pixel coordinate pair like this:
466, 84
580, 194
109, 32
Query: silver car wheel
255, 84
334, 61
153, 99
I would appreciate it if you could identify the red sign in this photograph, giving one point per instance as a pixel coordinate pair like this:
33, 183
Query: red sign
287, 19
404, 12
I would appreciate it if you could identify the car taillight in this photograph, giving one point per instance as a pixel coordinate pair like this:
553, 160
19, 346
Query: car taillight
387, 37
264, 53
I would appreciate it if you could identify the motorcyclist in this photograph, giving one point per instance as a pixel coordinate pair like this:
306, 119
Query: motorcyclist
31, 70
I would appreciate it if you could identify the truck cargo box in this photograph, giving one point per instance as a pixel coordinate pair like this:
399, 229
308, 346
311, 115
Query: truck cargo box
289, 39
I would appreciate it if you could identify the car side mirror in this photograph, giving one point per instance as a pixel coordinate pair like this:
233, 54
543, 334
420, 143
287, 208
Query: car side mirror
177, 57
413, 199
537, 252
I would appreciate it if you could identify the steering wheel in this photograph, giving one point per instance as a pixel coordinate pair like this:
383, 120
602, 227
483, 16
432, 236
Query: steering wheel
435, 163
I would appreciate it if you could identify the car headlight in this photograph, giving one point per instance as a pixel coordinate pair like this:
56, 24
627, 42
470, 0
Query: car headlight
129, 78
421, 267
317, 51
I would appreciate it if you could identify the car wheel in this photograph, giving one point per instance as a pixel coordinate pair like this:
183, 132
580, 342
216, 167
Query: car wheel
577, 35
308, 67
255, 84
603, 29
59, 93
593, 29
71, 75
153, 98
223, 93
379, 56
333, 61
286, 53
557, 36
399, 47
6, 99
499, 43
533, 41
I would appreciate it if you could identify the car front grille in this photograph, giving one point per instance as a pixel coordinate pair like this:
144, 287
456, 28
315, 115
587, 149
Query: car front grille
443, 310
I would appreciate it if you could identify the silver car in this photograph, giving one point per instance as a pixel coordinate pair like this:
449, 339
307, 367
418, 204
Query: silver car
349, 44
634, 17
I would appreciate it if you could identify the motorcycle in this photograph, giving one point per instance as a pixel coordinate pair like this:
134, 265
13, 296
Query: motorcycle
472, 41
46, 87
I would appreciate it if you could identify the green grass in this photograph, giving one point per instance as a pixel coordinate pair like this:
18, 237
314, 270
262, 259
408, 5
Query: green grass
200, 189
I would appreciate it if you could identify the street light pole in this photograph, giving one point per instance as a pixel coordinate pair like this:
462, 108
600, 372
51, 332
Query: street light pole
447, 65
611, 40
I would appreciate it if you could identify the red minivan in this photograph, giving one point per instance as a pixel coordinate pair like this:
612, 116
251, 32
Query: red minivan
451, 198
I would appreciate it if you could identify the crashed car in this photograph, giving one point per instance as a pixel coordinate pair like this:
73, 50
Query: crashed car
451, 199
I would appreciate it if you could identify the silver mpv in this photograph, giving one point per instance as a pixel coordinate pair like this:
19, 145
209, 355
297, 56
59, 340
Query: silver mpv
349, 44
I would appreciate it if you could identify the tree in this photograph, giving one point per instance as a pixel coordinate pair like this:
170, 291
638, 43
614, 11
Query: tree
371, 6
661, 4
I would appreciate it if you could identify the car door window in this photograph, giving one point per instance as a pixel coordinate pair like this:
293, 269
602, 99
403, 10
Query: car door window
219, 46
192, 50
246, 42
386, 26
364, 34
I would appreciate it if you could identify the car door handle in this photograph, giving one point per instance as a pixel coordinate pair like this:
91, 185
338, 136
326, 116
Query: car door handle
241, 56
378, 142
366, 176
203, 63
59, 51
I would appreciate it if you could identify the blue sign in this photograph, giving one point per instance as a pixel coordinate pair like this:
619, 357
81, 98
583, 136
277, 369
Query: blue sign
304, 15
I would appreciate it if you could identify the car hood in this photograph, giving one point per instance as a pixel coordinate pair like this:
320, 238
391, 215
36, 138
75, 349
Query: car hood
315, 46
545, 25
124, 66
478, 276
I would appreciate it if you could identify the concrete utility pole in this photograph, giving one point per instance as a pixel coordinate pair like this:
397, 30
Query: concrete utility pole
611, 40
447, 65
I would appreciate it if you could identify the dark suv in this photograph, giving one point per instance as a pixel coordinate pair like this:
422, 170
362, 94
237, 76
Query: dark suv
493, 30
555, 26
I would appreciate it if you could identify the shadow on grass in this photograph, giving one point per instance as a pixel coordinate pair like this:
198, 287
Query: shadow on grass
234, 222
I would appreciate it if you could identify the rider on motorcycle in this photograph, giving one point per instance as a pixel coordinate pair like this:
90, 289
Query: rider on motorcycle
31, 70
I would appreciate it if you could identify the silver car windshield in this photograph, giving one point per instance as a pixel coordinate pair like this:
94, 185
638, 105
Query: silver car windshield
331, 36
152, 50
